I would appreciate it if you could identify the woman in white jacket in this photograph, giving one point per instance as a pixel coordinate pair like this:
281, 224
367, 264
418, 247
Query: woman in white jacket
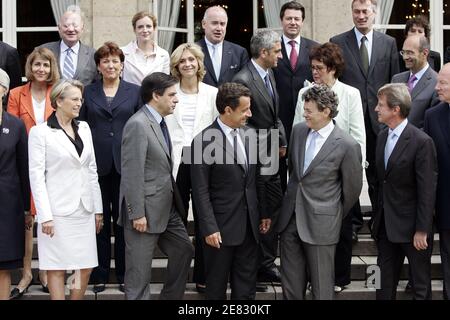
64, 182
196, 110
327, 64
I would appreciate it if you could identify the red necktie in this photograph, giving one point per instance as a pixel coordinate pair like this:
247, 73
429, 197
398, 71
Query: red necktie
294, 55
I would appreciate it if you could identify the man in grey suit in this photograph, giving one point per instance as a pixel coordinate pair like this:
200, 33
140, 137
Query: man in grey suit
149, 201
421, 79
371, 60
325, 182
75, 60
223, 59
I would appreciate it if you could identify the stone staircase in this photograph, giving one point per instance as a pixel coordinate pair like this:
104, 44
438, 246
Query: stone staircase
364, 255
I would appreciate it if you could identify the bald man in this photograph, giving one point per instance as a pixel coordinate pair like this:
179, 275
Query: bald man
223, 59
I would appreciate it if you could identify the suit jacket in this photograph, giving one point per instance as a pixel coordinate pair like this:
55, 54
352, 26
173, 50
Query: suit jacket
107, 123
265, 110
147, 187
60, 179
234, 57
20, 104
437, 126
205, 114
407, 187
423, 95
225, 195
86, 71
10, 63
434, 60
289, 82
322, 195
383, 66
14, 186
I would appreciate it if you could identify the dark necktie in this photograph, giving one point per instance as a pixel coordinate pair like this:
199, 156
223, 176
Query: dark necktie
165, 132
364, 54
269, 86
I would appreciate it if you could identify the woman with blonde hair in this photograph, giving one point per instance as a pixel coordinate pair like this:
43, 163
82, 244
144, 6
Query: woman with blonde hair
31, 103
196, 110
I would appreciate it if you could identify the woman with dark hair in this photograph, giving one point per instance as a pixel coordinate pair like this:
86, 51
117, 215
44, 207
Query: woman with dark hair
108, 104
327, 64
15, 192
31, 103
420, 25
196, 109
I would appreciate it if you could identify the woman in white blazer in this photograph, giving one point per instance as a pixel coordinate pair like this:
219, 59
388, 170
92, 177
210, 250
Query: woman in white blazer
327, 64
64, 182
195, 110
143, 56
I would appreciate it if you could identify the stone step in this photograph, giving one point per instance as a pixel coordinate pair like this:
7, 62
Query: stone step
357, 290
159, 266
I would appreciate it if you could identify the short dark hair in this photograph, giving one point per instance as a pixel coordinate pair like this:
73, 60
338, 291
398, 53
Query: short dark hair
420, 21
330, 54
324, 98
157, 82
292, 5
109, 48
229, 94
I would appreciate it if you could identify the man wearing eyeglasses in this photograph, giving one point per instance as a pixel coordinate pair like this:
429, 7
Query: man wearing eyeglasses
420, 78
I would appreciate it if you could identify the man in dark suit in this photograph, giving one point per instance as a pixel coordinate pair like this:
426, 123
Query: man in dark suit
292, 70
223, 59
150, 205
75, 60
10, 63
371, 60
257, 75
407, 175
325, 182
437, 126
420, 79
226, 198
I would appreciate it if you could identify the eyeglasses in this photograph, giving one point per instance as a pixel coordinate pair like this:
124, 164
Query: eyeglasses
318, 68
76, 100
407, 53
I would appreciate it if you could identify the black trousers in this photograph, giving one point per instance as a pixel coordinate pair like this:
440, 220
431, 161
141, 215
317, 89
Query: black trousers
110, 188
444, 244
390, 260
185, 187
268, 245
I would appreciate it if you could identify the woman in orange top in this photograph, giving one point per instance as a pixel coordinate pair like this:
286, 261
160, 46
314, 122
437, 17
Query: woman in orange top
31, 103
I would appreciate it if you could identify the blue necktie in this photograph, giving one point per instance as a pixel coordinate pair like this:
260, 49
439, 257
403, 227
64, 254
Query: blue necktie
165, 132
69, 69
389, 147
269, 86
309, 154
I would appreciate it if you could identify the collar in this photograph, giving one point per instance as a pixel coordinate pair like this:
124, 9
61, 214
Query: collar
260, 70
399, 129
359, 35
154, 113
136, 49
75, 48
326, 131
286, 40
211, 45
53, 123
420, 74
226, 129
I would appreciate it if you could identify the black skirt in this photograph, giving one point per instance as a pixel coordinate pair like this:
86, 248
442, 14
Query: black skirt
11, 265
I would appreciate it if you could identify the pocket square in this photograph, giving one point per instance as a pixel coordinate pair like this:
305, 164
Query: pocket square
234, 66
5, 131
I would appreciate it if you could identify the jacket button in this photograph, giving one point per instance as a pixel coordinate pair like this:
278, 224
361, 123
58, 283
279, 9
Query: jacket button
111, 134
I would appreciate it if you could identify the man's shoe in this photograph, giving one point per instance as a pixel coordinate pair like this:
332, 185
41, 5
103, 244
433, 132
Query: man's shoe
122, 287
261, 287
201, 288
99, 288
269, 275
408, 288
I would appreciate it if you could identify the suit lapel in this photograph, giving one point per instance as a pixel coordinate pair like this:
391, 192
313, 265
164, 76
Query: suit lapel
83, 58
301, 152
62, 139
285, 59
377, 48
354, 49
208, 63
227, 53
99, 97
422, 84
400, 146
381, 143
158, 133
444, 122
259, 84
26, 101
121, 95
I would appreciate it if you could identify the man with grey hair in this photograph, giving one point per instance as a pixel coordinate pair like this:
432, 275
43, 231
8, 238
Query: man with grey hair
76, 60
403, 215
420, 78
223, 59
325, 182
371, 59
257, 75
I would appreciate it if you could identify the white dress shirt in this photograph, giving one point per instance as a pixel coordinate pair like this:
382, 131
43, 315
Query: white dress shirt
228, 134
324, 133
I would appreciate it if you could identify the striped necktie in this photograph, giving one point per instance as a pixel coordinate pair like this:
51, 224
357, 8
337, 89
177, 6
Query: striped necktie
69, 69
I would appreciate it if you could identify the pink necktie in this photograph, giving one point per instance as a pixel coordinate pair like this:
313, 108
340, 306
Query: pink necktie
294, 55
